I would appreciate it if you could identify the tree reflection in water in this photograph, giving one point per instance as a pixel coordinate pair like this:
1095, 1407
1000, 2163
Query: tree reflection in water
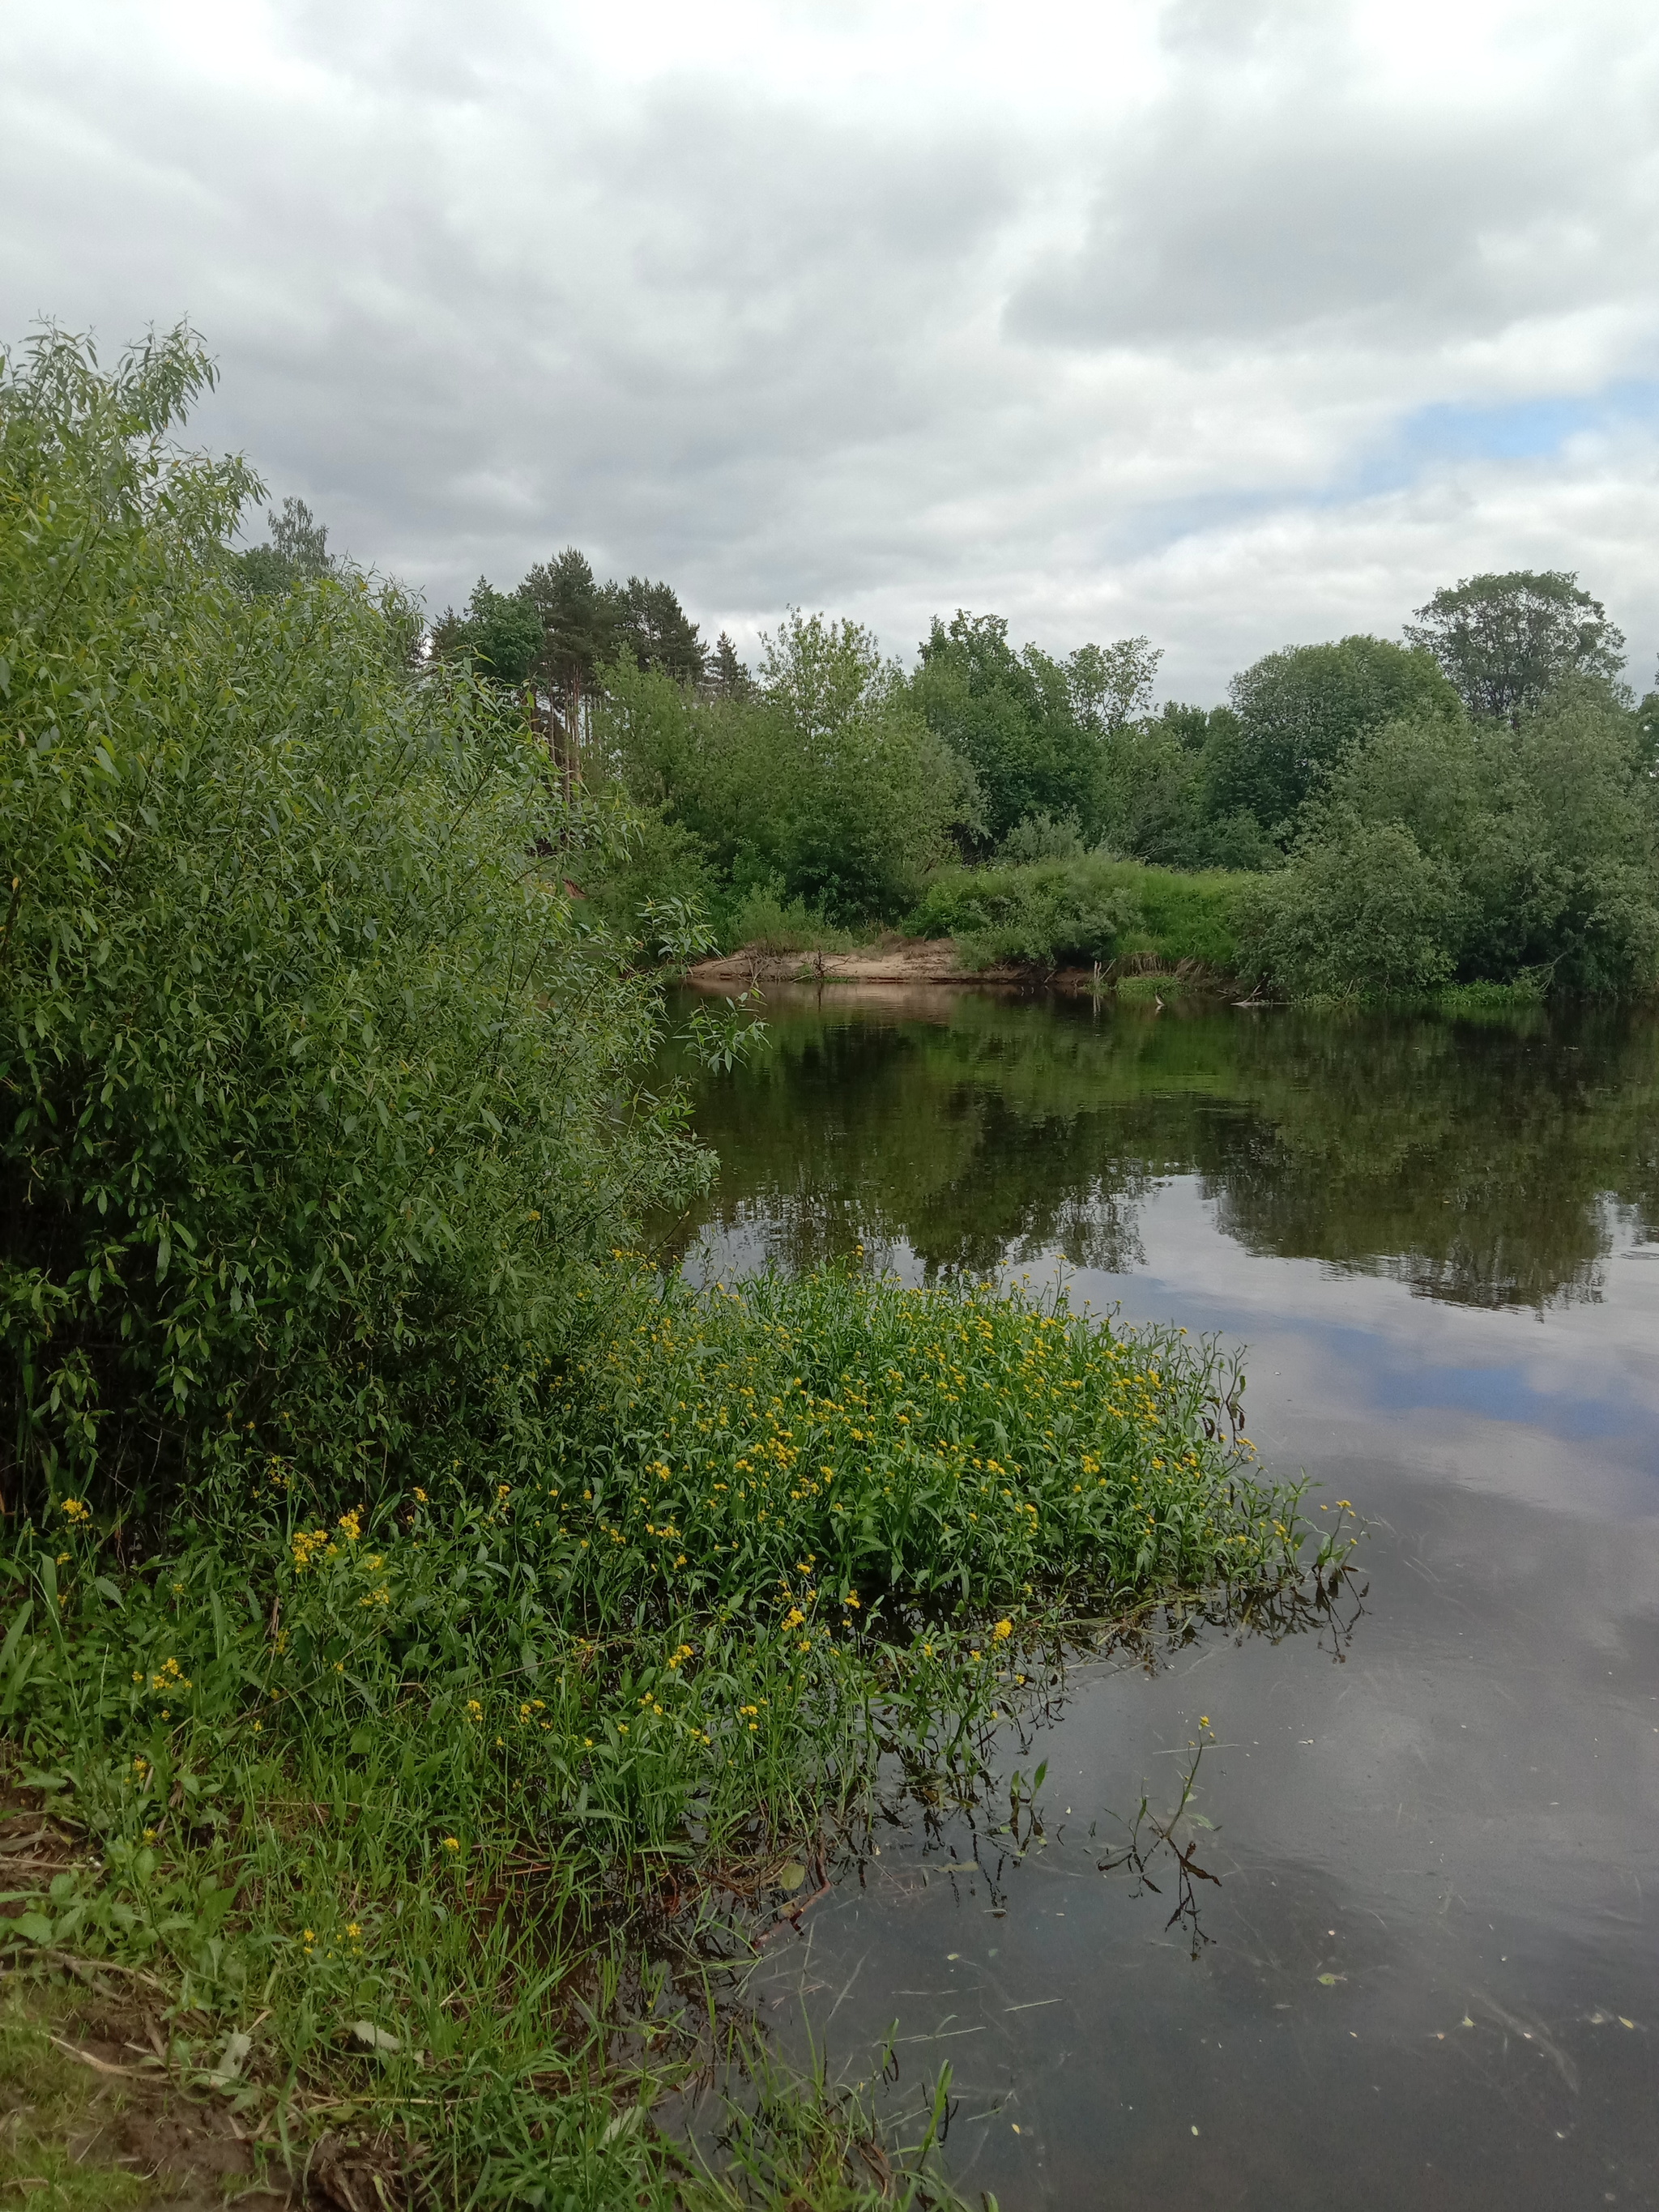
1491, 1164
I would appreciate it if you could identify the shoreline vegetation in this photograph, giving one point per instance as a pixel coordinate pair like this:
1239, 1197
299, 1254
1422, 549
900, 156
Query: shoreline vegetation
1475, 807
434, 1835
892, 959
437, 1647
1143, 979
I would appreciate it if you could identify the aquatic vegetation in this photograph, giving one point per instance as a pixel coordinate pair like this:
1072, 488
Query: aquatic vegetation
460, 1762
834, 1436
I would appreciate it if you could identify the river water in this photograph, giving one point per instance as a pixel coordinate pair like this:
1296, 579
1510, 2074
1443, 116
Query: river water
1428, 1973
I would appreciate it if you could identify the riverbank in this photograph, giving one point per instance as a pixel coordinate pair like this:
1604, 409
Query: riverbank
424, 1839
1138, 978
929, 960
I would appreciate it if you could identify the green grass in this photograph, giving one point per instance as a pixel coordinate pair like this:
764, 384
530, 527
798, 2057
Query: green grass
1185, 918
464, 1765
1145, 989
1525, 994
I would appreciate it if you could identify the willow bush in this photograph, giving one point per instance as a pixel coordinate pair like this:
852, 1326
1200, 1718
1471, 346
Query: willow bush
319, 1092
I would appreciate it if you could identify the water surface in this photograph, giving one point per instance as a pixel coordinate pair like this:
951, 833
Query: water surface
1429, 1975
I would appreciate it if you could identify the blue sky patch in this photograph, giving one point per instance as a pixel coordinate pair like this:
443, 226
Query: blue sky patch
1518, 430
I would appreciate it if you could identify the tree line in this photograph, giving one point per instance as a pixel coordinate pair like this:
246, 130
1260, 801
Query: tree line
1475, 798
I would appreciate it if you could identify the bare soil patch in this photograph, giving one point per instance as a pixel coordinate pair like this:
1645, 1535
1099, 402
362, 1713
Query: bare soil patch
930, 961
893, 960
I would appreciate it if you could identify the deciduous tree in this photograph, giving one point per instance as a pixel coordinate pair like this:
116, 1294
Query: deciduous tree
1300, 710
1505, 640
295, 552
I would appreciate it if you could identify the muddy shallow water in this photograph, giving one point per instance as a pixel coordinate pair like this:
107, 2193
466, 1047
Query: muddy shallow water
1428, 1974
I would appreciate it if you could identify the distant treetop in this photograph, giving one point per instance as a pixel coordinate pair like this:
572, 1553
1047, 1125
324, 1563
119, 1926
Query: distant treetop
1506, 641
296, 553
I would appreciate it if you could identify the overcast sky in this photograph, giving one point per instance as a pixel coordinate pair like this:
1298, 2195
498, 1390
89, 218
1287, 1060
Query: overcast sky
1240, 323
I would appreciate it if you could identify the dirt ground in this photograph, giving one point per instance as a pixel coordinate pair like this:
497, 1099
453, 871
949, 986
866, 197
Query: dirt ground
186, 2151
894, 960
92, 2080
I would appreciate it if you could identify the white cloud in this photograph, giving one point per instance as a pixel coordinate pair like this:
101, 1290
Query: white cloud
1109, 318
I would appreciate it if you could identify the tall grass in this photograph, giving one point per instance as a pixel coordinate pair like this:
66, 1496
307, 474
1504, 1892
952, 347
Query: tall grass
762, 917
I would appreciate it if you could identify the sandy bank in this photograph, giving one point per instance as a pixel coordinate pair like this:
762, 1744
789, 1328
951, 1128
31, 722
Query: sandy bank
894, 960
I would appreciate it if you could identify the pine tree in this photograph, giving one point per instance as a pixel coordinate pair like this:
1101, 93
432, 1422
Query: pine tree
651, 624
726, 676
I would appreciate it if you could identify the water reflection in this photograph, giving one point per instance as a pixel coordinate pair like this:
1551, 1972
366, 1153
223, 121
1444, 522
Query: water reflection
1427, 1974
1489, 1166
991, 1830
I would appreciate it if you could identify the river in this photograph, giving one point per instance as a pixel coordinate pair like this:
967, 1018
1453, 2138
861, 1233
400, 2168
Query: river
1426, 1974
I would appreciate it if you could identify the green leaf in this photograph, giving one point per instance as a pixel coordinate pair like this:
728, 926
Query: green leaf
216, 1903
20, 1621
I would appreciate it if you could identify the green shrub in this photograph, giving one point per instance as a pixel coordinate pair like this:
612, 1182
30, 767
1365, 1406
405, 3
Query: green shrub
319, 1089
1088, 910
761, 916
1186, 919
1045, 913
1366, 912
